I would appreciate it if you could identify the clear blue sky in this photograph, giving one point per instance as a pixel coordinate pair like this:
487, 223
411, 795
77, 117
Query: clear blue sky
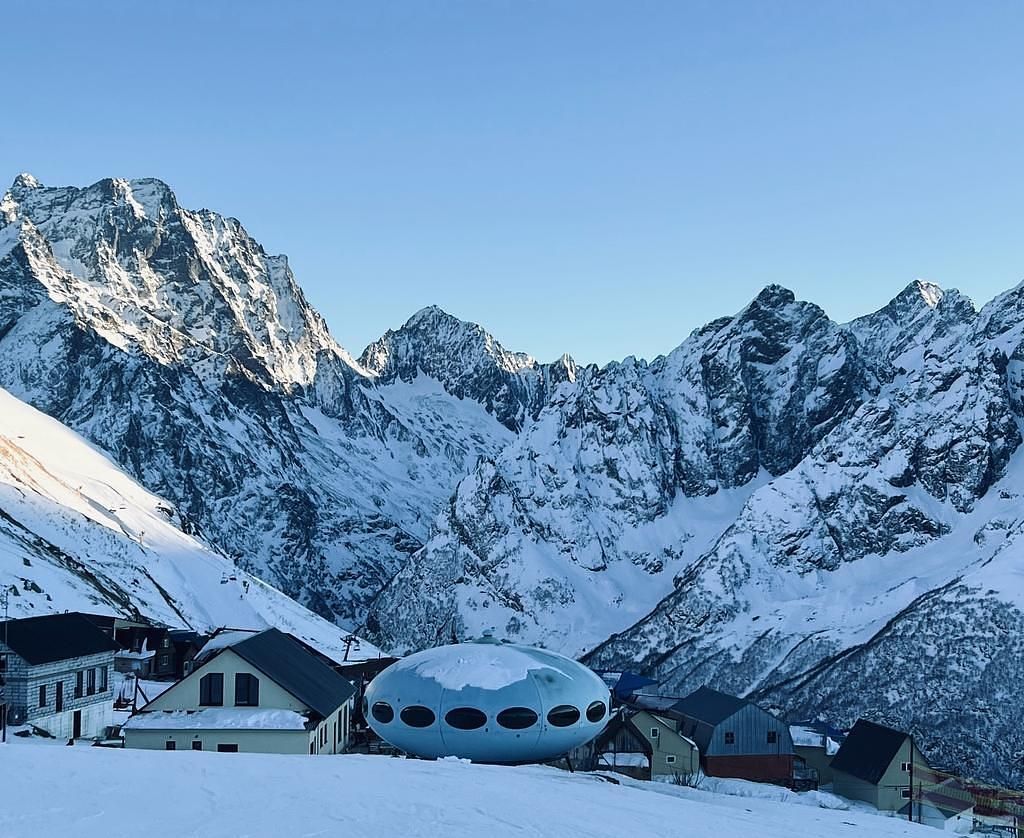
591, 177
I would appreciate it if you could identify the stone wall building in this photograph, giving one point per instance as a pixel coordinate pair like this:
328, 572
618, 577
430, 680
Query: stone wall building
57, 675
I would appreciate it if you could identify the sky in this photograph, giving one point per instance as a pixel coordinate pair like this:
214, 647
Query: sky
588, 177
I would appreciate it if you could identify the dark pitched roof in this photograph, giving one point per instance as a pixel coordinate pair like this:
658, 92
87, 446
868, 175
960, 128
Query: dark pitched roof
868, 750
55, 637
283, 658
708, 706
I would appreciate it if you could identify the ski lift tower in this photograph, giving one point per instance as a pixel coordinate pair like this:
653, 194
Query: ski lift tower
350, 640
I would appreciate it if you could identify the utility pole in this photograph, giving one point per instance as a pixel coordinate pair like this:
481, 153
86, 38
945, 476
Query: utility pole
910, 785
5, 597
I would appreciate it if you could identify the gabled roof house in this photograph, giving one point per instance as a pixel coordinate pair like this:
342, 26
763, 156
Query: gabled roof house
736, 738
875, 764
265, 692
642, 745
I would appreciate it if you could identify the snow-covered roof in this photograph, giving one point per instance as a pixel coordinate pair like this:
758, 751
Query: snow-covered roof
221, 640
218, 718
625, 759
140, 655
483, 665
808, 737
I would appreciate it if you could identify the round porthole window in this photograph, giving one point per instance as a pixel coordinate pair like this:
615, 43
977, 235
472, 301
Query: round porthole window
382, 712
416, 715
517, 718
563, 715
596, 711
465, 718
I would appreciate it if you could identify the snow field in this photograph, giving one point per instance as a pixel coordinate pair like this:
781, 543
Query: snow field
95, 792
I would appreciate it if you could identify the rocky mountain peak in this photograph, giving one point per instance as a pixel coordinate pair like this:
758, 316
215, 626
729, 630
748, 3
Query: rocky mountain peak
920, 316
25, 180
774, 296
179, 286
928, 291
468, 361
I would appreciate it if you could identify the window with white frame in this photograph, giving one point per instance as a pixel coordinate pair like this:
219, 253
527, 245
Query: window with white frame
654, 733
671, 758
905, 767
905, 794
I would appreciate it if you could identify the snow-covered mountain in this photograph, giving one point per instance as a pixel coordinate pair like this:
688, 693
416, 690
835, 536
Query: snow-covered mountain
828, 511
77, 533
819, 514
169, 338
469, 363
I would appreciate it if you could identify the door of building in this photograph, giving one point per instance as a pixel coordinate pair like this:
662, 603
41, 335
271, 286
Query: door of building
76, 724
59, 700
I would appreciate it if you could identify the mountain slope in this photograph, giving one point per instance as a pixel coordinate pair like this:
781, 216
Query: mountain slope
878, 576
629, 473
76, 533
825, 508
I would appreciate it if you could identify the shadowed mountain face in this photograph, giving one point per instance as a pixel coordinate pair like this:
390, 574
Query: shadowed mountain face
822, 515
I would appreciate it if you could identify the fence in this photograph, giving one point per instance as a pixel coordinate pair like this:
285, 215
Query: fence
994, 810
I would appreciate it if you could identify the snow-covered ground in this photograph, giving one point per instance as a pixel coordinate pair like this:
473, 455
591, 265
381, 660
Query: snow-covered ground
96, 792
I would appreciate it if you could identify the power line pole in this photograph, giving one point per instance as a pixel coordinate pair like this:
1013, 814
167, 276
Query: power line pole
5, 597
910, 815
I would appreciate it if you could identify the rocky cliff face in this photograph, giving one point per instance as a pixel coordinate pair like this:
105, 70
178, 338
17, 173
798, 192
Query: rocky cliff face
628, 472
826, 509
821, 515
469, 363
169, 338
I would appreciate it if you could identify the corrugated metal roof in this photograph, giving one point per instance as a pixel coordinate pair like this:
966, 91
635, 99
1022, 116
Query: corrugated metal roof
282, 658
55, 637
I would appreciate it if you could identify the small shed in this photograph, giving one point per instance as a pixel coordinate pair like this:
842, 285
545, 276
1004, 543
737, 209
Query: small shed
620, 747
641, 745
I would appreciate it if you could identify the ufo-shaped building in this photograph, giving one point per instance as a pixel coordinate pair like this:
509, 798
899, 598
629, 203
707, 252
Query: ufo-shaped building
488, 701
